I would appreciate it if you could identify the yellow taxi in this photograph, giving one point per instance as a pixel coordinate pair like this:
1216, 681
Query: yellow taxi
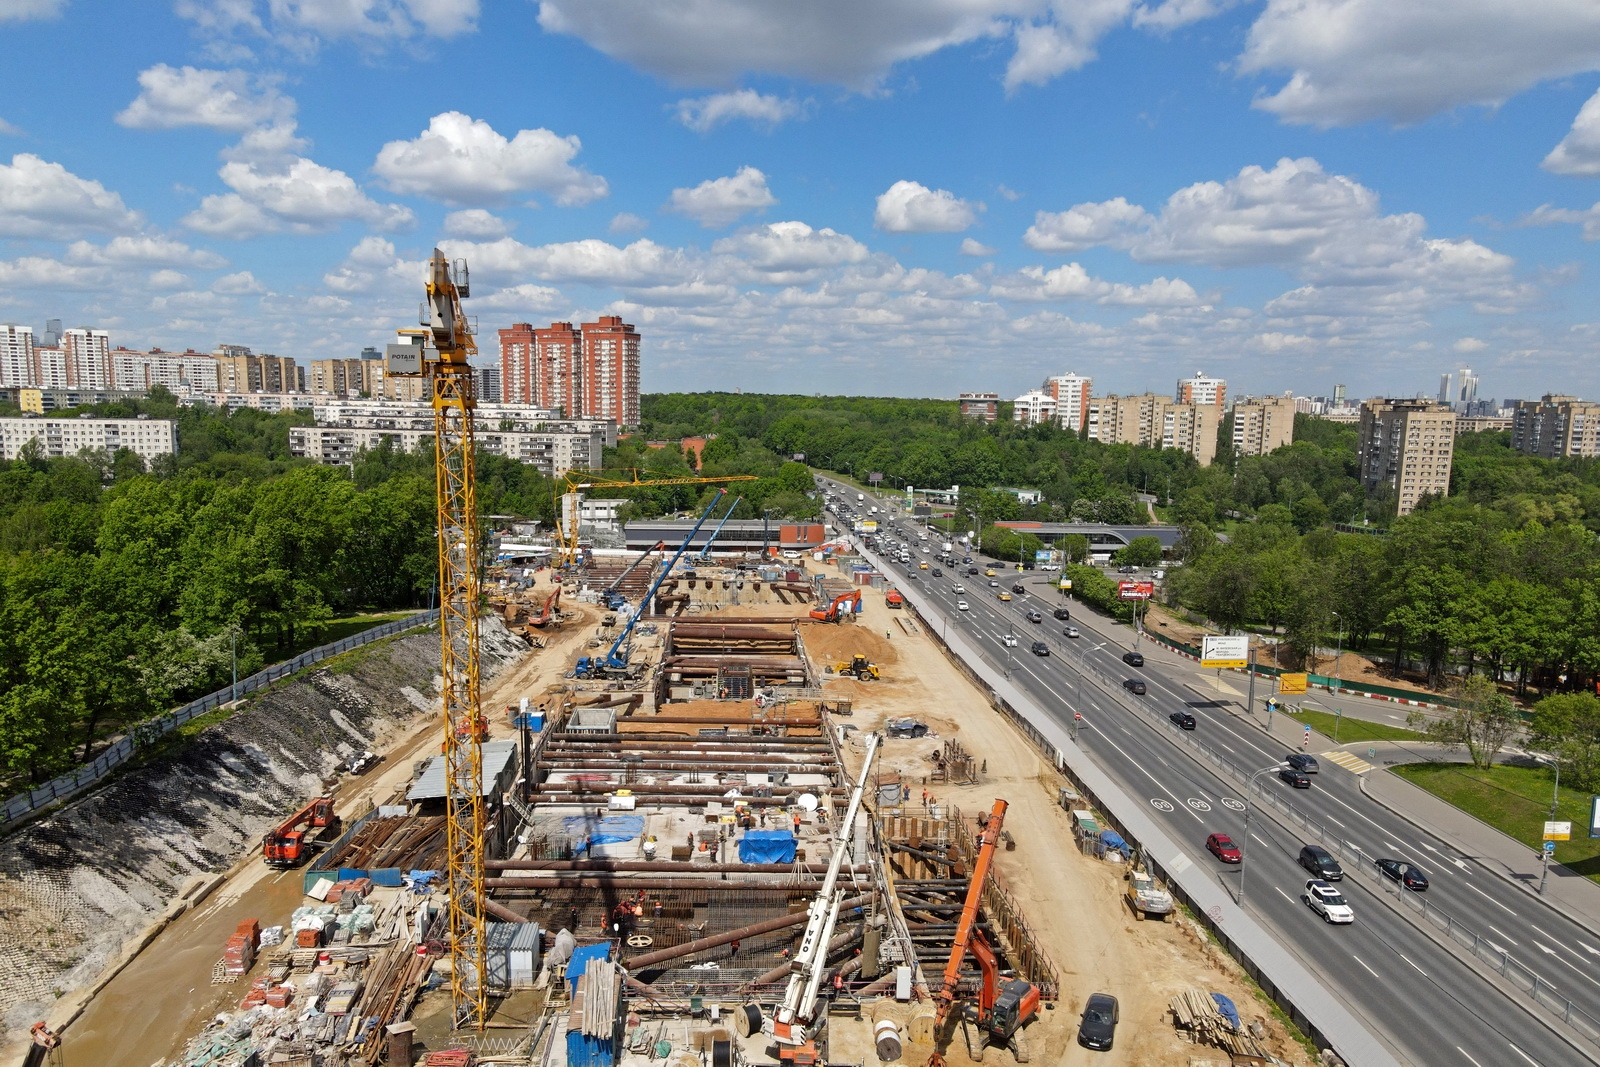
923, 565
989, 573
1003, 595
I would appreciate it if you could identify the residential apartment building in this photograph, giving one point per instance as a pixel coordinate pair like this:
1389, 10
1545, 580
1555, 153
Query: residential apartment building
241, 371
345, 377
557, 372
1155, 422
1482, 423
611, 371
146, 437
1556, 427
1405, 448
486, 384
269, 402
1263, 424
1071, 394
16, 354
985, 406
1033, 407
87, 354
1202, 390
183, 373
35, 401
82, 359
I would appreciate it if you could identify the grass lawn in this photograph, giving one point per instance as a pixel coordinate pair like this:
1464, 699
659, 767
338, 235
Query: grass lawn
1355, 729
1516, 801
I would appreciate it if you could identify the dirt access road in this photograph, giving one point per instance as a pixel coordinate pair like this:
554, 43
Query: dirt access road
151, 1008
1073, 902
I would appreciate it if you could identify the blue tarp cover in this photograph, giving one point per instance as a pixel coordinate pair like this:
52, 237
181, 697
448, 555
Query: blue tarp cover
767, 846
1225, 1006
581, 957
611, 830
1112, 839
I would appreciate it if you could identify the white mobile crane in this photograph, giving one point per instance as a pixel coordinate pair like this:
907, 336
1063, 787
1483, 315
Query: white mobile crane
792, 1025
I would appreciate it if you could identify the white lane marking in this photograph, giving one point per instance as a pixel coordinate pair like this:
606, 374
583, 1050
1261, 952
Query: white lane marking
1141, 768
1490, 899
1502, 933
1284, 895
1548, 951
1524, 1055
1419, 970
1257, 837
1363, 963
1470, 1060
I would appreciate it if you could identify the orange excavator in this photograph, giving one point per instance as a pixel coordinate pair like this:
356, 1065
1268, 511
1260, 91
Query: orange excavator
552, 604
1003, 1008
289, 843
832, 612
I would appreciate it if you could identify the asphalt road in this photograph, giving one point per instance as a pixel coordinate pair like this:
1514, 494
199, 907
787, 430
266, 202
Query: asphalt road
1431, 1007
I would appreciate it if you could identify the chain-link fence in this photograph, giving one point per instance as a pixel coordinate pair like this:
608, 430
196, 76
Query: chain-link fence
146, 732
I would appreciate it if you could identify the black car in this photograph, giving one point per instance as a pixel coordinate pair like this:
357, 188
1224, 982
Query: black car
1041, 649
1182, 719
1133, 659
1301, 762
1407, 874
1062, 614
1320, 862
937, 573
966, 559
1295, 778
1098, 1029
1127, 568
1017, 587
1134, 686
972, 570
1034, 616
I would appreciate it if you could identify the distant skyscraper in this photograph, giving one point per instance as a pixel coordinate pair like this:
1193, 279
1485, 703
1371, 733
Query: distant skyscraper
516, 363
1071, 393
1459, 389
16, 355
611, 371
1338, 396
1201, 390
88, 357
52, 333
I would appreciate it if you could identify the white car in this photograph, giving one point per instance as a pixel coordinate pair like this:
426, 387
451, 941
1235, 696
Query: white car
958, 588
1325, 900
1010, 640
961, 605
1071, 631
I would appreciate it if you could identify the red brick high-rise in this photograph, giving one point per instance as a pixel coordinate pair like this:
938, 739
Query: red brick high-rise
611, 370
558, 378
516, 363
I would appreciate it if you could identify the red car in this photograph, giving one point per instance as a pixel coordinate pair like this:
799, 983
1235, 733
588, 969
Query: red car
1222, 847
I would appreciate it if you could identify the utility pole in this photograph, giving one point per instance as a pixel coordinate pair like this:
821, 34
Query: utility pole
1250, 699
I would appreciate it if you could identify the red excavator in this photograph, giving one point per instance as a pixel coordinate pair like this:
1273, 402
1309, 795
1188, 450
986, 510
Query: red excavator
832, 612
1003, 1008
551, 604
288, 844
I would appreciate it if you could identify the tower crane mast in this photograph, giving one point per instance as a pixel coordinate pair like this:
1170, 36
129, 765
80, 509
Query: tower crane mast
440, 351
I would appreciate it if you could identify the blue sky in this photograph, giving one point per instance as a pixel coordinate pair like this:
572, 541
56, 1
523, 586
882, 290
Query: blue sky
908, 197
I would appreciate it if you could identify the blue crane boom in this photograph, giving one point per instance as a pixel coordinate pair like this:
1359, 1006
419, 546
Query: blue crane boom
610, 598
705, 553
615, 660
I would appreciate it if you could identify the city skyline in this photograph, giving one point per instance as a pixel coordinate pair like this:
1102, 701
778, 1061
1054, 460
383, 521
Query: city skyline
1202, 185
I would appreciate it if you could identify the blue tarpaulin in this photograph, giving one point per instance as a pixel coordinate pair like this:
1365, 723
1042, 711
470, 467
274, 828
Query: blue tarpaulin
767, 846
1225, 1006
1112, 839
612, 830
580, 959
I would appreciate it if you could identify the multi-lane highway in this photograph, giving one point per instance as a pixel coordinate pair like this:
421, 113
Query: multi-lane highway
1429, 1005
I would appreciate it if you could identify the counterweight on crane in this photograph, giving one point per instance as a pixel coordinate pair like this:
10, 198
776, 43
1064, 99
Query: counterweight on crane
792, 1026
440, 352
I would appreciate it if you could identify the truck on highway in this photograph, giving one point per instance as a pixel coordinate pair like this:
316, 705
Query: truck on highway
861, 498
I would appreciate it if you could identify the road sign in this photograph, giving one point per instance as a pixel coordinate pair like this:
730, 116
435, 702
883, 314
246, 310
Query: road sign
1078, 715
1558, 831
1594, 816
1549, 846
1066, 584
1136, 590
1293, 683
1219, 651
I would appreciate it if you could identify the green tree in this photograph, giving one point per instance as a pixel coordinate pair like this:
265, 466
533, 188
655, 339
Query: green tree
1568, 724
1140, 552
1483, 720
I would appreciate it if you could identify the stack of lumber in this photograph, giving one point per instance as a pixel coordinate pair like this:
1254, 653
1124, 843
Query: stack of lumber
1196, 1014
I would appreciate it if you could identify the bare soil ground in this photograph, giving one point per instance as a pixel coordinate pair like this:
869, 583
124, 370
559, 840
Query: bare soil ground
1074, 902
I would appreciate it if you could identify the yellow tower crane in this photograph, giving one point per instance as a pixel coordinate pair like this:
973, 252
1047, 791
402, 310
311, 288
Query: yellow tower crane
440, 352
616, 478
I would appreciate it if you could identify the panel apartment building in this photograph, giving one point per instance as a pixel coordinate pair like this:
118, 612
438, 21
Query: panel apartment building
1405, 448
1263, 424
1155, 422
588, 372
1556, 427
146, 437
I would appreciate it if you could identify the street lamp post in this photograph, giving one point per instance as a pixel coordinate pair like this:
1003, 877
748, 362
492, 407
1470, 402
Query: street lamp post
1249, 804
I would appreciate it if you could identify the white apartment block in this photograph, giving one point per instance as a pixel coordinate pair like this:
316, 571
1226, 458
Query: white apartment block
183, 373
1263, 424
269, 402
146, 437
1033, 407
1071, 392
417, 416
87, 354
16, 354
560, 447
1201, 390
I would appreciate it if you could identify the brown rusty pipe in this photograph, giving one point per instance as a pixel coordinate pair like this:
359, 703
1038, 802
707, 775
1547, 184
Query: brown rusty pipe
835, 945
631, 882
661, 866
652, 958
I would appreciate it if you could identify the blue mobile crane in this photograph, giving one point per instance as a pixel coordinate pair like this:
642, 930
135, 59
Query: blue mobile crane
610, 599
705, 553
614, 664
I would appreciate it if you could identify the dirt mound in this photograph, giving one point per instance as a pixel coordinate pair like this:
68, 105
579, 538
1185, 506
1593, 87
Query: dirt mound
835, 643
76, 884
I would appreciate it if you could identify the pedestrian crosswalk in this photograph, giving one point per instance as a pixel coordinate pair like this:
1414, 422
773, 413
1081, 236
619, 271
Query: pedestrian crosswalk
1351, 763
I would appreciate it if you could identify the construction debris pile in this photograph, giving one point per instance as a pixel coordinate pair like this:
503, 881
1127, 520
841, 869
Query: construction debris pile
1211, 1019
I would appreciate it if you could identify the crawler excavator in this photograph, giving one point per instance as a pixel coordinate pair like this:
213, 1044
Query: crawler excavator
844, 603
1004, 1007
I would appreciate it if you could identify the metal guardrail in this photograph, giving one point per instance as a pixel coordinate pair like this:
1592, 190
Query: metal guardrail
147, 732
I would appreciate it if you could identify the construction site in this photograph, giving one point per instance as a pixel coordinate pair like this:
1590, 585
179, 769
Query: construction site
725, 810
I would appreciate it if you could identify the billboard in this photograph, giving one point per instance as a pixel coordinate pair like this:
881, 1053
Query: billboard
1135, 590
1594, 816
1292, 683
1219, 651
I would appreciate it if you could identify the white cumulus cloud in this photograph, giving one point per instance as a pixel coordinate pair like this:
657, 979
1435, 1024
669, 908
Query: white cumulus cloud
1083, 226
142, 251
1065, 41
43, 199
462, 160
1467, 345
627, 222
969, 247
187, 96
22, 10
705, 113
301, 25
1073, 282
1579, 151
791, 248
238, 284
477, 223
911, 207
1350, 61
719, 202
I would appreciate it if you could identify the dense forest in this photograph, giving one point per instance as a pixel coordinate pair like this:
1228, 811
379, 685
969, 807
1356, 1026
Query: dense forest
126, 590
